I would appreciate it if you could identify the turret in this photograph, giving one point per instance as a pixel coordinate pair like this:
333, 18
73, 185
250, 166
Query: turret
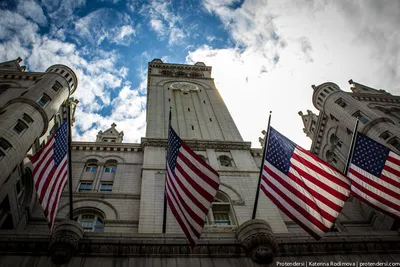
29, 111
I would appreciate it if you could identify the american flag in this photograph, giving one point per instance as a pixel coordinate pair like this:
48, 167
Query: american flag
50, 172
191, 187
375, 175
308, 190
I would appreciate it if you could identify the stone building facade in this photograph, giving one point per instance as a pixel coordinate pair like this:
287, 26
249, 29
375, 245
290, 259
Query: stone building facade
118, 196
331, 131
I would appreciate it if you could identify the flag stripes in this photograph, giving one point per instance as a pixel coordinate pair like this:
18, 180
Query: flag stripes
191, 186
308, 190
50, 173
375, 175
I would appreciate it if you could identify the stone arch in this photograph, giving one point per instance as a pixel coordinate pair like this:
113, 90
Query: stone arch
28, 169
103, 159
118, 159
109, 211
88, 157
11, 83
232, 193
371, 124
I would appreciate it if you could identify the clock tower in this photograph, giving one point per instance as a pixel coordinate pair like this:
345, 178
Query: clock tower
202, 120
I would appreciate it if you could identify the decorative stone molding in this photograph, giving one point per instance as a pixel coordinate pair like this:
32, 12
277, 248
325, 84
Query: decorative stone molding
65, 241
257, 238
220, 228
200, 144
136, 245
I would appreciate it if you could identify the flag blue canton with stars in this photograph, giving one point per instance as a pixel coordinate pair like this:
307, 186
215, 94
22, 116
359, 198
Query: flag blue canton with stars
61, 147
279, 151
369, 155
174, 144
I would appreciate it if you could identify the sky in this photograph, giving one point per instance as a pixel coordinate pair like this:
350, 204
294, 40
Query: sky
265, 55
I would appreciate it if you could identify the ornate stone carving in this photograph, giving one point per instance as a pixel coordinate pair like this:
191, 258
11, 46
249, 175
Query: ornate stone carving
200, 144
184, 86
65, 241
219, 228
257, 238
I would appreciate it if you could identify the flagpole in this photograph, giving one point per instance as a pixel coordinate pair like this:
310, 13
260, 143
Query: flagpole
350, 155
71, 209
261, 168
165, 187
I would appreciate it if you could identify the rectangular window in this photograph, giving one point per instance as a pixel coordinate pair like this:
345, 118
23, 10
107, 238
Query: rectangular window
110, 169
56, 86
106, 187
85, 187
361, 117
385, 135
5, 145
341, 103
67, 75
62, 71
20, 127
44, 100
395, 142
221, 214
27, 118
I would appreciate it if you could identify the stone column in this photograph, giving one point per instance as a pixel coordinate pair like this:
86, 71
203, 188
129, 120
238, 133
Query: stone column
257, 238
65, 241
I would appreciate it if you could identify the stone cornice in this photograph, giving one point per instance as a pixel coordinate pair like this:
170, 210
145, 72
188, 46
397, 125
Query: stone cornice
219, 245
179, 66
103, 195
200, 144
106, 146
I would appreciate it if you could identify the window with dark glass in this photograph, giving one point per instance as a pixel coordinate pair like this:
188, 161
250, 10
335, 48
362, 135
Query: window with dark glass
395, 142
56, 86
361, 117
91, 167
341, 102
20, 127
385, 135
90, 222
44, 100
4, 144
85, 187
106, 187
27, 118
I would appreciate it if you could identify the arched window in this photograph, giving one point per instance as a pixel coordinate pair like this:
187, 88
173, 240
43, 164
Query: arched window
91, 165
330, 157
90, 222
225, 161
111, 166
221, 212
24, 188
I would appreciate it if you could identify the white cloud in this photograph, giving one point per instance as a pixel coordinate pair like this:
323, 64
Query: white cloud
62, 12
99, 76
126, 31
165, 22
176, 36
31, 9
283, 47
105, 24
157, 26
